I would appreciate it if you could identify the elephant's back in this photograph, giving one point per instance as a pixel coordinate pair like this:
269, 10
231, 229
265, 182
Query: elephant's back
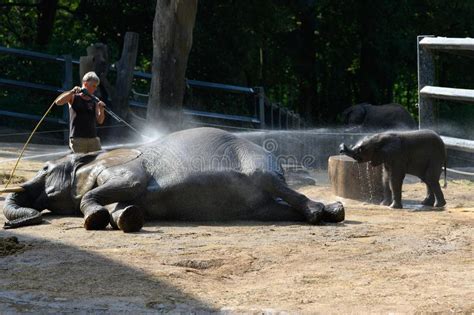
174, 158
426, 141
393, 116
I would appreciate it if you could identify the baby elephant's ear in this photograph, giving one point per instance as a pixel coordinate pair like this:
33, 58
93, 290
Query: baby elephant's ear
388, 147
391, 147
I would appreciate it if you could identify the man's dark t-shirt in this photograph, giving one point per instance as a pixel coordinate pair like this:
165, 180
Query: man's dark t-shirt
82, 119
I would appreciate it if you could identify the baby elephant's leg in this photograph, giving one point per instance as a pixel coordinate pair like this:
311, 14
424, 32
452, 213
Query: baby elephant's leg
396, 181
430, 197
387, 193
436, 188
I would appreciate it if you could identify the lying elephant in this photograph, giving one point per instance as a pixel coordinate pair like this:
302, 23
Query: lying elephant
421, 153
196, 174
378, 117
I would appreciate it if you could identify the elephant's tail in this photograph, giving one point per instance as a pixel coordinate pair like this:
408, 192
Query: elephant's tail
445, 181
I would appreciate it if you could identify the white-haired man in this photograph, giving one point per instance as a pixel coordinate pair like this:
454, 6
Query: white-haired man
84, 114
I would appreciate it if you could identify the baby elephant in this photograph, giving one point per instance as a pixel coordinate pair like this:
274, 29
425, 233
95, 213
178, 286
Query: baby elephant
420, 153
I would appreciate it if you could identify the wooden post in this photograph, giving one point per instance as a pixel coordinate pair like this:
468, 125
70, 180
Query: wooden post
279, 115
425, 77
97, 60
67, 85
272, 114
261, 106
125, 67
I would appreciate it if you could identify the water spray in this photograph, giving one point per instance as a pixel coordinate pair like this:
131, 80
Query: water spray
112, 114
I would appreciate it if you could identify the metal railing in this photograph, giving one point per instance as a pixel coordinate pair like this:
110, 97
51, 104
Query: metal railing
266, 115
428, 92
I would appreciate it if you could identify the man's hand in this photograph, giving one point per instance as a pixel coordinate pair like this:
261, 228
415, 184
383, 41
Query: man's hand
101, 104
76, 90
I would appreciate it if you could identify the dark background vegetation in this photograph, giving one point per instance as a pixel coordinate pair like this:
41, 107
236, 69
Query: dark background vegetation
315, 57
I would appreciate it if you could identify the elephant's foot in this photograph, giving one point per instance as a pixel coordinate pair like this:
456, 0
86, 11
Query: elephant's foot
314, 212
396, 205
97, 220
440, 203
333, 212
428, 202
386, 202
129, 219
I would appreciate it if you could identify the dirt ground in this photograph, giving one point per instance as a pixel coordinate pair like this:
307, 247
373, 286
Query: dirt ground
379, 260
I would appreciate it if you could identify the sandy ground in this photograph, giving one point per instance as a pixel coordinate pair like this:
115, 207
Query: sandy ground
379, 260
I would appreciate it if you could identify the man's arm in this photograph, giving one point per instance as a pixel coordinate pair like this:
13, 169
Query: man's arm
67, 97
100, 112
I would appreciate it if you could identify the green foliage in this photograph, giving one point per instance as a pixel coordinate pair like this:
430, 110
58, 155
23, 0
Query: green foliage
315, 57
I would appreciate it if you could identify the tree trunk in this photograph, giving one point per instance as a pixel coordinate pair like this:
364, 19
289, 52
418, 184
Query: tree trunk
353, 180
172, 39
46, 15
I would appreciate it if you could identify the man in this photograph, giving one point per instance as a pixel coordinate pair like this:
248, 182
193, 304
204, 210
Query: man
84, 113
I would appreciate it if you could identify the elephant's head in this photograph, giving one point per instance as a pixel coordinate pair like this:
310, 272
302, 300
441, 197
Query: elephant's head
355, 114
50, 189
376, 149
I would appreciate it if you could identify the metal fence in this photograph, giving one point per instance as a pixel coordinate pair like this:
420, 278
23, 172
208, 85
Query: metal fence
428, 92
265, 114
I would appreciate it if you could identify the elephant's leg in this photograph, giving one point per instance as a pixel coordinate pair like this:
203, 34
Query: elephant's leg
436, 188
313, 211
432, 180
115, 189
430, 197
396, 181
387, 193
276, 210
126, 217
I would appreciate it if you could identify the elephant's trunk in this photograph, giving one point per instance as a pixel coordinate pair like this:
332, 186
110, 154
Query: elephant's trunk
18, 213
343, 149
18, 208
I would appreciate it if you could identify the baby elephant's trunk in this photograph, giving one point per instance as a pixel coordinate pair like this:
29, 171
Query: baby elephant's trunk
343, 149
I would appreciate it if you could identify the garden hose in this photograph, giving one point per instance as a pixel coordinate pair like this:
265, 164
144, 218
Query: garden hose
84, 91
29, 139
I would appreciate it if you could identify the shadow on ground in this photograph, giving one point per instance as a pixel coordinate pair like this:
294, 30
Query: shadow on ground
48, 276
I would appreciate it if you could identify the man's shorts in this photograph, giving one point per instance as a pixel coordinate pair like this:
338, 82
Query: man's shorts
84, 145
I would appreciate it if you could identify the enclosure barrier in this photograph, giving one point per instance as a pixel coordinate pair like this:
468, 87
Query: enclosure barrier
427, 91
266, 115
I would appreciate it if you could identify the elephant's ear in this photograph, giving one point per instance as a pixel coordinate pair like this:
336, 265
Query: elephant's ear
79, 160
345, 115
390, 148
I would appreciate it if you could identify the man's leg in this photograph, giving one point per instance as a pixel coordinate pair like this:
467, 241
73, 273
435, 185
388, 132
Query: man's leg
78, 145
93, 144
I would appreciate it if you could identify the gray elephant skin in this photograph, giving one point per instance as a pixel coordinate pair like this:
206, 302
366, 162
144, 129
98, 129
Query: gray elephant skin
421, 153
369, 117
201, 174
